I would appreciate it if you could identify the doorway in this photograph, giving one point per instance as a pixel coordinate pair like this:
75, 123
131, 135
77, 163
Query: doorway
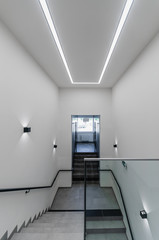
85, 134
85, 144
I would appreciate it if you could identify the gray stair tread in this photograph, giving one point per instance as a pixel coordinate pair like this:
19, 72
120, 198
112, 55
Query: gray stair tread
50, 225
105, 218
88, 174
64, 228
54, 221
82, 181
81, 155
31, 236
107, 236
88, 169
81, 172
103, 213
105, 224
61, 217
48, 236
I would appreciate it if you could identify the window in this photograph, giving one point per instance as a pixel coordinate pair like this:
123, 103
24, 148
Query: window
85, 124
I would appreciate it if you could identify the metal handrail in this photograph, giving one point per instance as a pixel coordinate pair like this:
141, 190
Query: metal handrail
117, 160
109, 170
34, 188
120, 159
108, 159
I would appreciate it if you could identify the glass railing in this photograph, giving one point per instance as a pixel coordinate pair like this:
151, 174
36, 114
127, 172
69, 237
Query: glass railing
119, 197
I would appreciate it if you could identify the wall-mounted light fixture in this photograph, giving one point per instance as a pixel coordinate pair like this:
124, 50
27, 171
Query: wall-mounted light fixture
55, 145
143, 214
124, 164
27, 129
115, 145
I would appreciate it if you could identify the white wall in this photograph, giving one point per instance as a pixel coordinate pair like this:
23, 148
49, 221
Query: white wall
27, 97
136, 118
83, 102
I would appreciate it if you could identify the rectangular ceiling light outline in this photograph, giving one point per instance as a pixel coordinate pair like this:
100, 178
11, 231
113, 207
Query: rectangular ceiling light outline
51, 24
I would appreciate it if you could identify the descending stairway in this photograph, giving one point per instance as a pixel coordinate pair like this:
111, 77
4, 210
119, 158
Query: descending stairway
54, 226
101, 224
78, 167
105, 225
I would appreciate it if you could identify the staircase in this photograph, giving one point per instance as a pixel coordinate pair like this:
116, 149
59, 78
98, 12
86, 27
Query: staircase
100, 224
105, 225
53, 226
78, 168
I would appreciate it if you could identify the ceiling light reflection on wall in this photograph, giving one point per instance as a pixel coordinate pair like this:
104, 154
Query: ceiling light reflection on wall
50, 22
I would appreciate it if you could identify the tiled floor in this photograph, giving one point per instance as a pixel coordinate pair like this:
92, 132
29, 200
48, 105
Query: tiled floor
73, 198
85, 147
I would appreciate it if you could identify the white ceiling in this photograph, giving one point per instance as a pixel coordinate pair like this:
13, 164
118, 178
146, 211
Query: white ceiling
86, 29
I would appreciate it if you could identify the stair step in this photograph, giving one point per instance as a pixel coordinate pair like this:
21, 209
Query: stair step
77, 181
84, 155
54, 222
64, 228
107, 236
89, 170
90, 174
89, 164
105, 224
63, 214
90, 180
80, 177
80, 165
102, 215
108, 226
105, 218
46, 236
79, 160
30, 236
106, 230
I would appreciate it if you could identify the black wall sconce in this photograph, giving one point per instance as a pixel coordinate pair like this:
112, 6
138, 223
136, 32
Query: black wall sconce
55, 146
124, 164
27, 129
143, 214
115, 145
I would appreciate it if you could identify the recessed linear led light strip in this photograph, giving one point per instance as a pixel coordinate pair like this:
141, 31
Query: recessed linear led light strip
114, 42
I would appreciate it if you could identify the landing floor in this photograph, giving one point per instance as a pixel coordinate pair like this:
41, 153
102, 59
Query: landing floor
96, 198
85, 147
